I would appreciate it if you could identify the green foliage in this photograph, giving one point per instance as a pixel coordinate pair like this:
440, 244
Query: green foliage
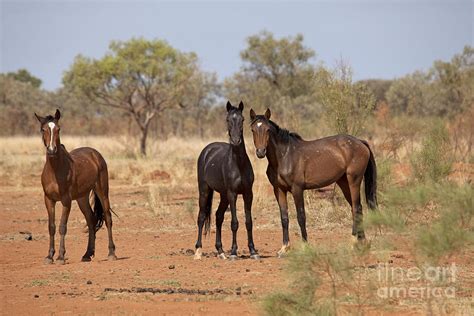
308, 267
347, 105
378, 87
405, 95
282, 63
25, 76
142, 77
453, 230
18, 101
433, 161
276, 73
444, 90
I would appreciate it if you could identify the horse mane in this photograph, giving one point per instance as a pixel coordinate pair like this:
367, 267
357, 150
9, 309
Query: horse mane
283, 133
49, 118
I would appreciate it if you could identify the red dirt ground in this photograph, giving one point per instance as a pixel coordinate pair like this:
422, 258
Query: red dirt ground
153, 251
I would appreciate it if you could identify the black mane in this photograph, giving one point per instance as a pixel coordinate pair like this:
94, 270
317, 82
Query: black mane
49, 118
282, 133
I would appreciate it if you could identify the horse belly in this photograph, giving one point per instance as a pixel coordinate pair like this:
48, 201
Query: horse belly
322, 172
86, 177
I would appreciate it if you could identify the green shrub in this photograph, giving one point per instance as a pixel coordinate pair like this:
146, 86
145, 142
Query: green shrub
433, 161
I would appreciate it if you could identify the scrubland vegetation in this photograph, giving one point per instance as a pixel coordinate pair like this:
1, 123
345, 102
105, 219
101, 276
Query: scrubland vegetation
151, 109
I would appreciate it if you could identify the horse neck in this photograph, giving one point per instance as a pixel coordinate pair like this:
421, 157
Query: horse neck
60, 160
277, 148
238, 152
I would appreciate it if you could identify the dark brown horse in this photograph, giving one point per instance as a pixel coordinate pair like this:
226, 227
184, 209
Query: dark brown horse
226, 168
295, 165
72, 176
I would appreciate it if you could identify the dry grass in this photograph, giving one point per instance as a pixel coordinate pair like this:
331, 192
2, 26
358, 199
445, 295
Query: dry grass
168, 174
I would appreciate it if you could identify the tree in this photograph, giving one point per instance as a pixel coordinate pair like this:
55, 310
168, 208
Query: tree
142, 77
378, 87
347, 105
19, 100
25, 76
276, 72
406, 94
451, 84
283, 63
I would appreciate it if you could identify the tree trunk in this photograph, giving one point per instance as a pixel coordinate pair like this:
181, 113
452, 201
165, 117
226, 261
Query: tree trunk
143, 140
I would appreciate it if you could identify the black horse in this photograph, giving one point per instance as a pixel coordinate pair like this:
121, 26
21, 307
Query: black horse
226, 168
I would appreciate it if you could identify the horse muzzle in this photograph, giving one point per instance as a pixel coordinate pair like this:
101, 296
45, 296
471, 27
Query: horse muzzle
51, 151
235, 142
261, 153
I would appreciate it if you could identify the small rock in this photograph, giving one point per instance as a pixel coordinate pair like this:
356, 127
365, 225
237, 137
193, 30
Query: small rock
29, 237
37, 296
390, 261
89, 282
189, 252
247, 270
171, 266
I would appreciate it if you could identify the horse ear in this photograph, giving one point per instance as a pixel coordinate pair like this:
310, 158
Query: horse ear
228, 106
39, 118
268, 114
57, 115
241, 106
252, 114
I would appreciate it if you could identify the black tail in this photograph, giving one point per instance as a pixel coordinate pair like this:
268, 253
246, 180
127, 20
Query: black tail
98, 212
370, 179
207, 220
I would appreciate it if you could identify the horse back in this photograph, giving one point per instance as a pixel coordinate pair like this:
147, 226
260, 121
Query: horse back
318, 163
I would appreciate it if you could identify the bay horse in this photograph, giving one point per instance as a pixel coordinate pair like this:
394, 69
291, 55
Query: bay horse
295, 165
73, 176
226, 168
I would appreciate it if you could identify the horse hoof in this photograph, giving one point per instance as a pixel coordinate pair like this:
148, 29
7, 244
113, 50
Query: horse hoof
255, 256
86, 259
222, 256
233, 257
48, 260
112, 257
60, 261
198, 254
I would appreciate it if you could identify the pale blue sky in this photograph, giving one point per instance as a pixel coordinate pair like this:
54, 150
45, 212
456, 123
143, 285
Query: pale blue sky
380, 39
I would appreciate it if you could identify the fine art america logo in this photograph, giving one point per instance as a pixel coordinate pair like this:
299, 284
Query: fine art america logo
417, 283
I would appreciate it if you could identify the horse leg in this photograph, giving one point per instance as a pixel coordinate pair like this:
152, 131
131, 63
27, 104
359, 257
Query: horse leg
63, 230
86, 209
234, 224
223, 204
248, 198
102, 191
354, 186
204, 193
300, 212
344, 185
283, 204
50, 207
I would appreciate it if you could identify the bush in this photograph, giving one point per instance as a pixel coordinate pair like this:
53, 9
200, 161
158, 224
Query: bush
433, 162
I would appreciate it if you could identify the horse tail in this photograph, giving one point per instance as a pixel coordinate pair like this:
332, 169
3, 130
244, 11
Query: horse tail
370, 179
98, 212
207, 219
